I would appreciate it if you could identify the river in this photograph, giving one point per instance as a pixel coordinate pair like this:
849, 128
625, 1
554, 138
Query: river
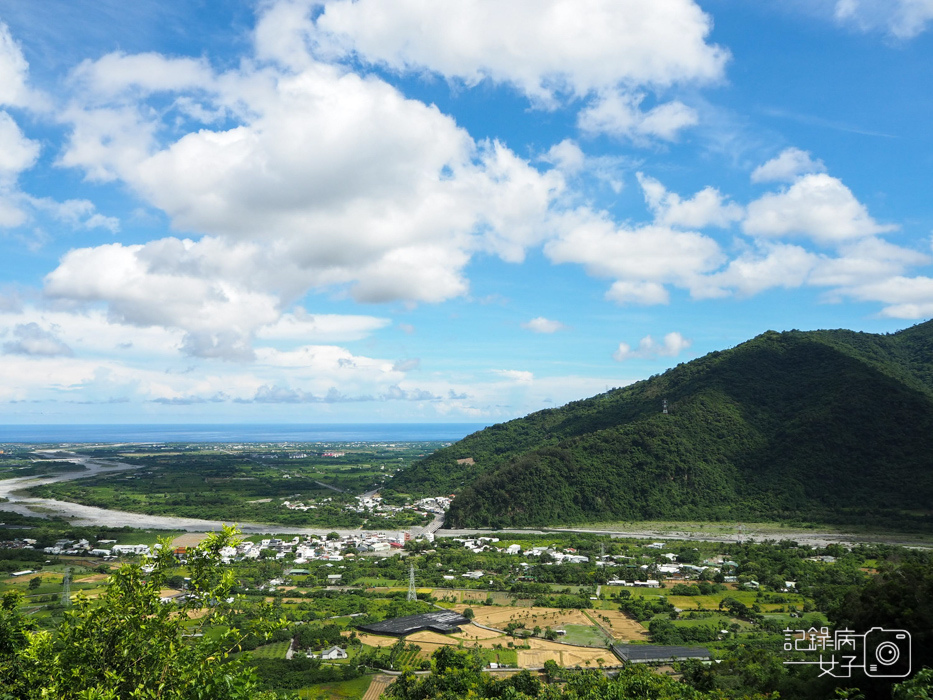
79, 514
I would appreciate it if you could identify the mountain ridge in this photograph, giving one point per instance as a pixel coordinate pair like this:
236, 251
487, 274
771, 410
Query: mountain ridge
829, 425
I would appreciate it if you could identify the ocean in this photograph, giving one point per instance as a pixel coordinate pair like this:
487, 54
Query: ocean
235, 433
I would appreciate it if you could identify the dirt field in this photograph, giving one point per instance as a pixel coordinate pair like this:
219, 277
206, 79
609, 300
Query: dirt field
189, 539
375, 640
565, 656
499, 617
436, 640
474, 632
621, 626
93, 578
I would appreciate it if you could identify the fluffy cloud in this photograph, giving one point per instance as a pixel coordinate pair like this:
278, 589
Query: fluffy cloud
551, 51
641, 293
32, 339
515, 375
17, 153
818, 206
93, 334
648, 348
567, 156
866, 261
540, 47
766, 266
47, 352
78, 213
543, 325
903, 19
116, 74
300, 325
906, 297
393, 213
642, 259
175, 284
706, 208
619, 114
14, 71
787, 166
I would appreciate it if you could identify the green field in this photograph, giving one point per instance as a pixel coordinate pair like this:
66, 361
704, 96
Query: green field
276, 650
345, 690
583, 635
252, 485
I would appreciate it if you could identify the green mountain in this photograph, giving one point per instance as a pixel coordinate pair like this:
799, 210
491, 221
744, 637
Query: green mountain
833, 426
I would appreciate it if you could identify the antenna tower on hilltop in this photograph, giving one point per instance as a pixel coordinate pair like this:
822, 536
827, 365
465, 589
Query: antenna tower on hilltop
412, 594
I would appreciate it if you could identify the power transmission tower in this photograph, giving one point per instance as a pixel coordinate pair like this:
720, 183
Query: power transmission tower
412, 594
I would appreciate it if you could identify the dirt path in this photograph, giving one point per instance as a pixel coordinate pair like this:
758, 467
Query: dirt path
378, 686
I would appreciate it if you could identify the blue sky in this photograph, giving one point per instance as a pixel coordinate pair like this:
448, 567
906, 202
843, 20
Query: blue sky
398, 210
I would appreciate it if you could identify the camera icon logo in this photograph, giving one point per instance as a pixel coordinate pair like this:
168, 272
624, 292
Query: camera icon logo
887, 653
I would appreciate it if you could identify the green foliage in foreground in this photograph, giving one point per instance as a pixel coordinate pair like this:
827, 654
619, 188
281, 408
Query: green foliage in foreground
456, 674
750, 675
827, 426
127, 644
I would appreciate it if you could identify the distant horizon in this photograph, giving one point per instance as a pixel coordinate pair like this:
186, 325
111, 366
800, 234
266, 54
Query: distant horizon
148, 433
245, 423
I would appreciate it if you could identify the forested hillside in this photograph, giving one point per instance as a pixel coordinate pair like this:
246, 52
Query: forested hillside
825, 425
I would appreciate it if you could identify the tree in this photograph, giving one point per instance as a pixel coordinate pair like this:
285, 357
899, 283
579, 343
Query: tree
469, 614
551, 671
920, 687
35, 582
129, 644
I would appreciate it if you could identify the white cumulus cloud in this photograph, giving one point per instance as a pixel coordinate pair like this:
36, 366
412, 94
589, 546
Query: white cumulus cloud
543, 325
391, 213
903, 19
787, 166
32, 339
641, 260
14, 74
542, 47
648, 348
707, 207
515, 375
817, 206
619, 114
